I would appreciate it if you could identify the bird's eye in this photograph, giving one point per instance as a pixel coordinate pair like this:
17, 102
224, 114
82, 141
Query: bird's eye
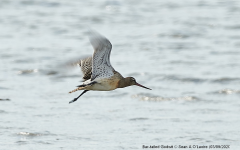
133, 79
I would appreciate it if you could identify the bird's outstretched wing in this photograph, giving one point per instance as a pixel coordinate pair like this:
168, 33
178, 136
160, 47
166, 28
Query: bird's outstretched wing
101, 66
86, 67
85, 64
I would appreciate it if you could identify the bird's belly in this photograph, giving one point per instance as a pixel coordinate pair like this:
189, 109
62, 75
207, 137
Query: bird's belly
104, 85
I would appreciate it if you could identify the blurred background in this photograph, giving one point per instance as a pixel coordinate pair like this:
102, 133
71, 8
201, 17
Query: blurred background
186, 51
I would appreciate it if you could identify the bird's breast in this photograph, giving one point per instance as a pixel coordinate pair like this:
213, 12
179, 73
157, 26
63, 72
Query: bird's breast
105, 85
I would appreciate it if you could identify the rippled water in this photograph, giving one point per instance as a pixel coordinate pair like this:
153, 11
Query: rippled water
186, 51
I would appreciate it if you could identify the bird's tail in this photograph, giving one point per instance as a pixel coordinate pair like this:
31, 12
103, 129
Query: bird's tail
79, 88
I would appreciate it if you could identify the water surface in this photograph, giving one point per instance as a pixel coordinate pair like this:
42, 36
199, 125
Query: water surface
186, 51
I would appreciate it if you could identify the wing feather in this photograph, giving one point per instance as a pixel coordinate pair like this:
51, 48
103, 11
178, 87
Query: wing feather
86, 68
101, 66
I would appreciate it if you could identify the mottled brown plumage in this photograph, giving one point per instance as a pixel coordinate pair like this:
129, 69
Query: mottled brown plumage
86, 67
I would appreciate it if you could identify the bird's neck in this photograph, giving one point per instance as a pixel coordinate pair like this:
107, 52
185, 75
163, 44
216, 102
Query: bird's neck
123, 83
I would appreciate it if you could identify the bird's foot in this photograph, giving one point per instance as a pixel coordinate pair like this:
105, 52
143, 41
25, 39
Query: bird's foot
78, 97
73, 100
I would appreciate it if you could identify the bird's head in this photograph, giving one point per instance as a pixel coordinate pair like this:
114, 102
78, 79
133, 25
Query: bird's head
132, 81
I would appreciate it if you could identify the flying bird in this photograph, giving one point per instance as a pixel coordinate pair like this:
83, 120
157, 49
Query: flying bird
98, 73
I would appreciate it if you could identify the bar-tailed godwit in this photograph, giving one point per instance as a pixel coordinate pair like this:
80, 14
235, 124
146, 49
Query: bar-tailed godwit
98, 73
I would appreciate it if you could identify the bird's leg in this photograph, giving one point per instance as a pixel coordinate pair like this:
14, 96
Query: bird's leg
78, 96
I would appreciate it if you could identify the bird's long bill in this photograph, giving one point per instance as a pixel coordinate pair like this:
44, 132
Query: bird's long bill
142, 86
